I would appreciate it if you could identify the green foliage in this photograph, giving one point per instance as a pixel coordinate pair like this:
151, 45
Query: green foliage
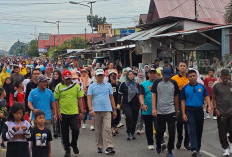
33, 48
75, 43
96, 20
18, 48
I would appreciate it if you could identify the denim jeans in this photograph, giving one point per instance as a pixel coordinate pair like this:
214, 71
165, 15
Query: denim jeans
195, 126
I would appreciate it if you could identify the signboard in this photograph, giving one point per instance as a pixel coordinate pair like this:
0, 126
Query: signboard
103, 28
43, 50
127, 32
44, 36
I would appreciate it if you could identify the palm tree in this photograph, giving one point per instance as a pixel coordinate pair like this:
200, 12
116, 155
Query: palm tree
228, 14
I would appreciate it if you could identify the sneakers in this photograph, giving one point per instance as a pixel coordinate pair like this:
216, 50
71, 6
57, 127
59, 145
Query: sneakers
67, 154
129, 137
194, 153
138, 132
207, 116
178, 145
169, 154
214, 118
99, 150
114, 133
133, 136
75, 150
158, 150
92, 128
151, 147
83, 126
186, 146
163, 147
226, 153
110, 151
120, 125
3, 146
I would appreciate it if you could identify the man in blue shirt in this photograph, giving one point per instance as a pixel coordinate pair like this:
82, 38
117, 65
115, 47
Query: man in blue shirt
192, 99
42, 99
101, 103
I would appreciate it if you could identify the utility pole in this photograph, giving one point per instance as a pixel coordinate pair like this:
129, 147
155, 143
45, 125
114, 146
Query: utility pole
85, 36
196, 9
58, 26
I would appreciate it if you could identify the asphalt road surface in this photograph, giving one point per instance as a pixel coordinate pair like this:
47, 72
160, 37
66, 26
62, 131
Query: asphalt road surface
138, 148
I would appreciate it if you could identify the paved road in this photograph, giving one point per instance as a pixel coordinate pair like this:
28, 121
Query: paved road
138, 147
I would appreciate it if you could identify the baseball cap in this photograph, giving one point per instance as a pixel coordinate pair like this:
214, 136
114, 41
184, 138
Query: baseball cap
82, 70
99, 72
67, 74
41, 78
112, 71
152, 70
167, 72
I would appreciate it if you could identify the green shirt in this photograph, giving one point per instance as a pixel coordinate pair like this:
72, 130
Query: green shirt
67, 96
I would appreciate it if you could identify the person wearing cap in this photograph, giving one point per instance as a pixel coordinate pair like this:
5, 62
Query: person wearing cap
101, 103
165, 108
68, 97
86, 81
192, 100
16, 77
145, 99
42, 99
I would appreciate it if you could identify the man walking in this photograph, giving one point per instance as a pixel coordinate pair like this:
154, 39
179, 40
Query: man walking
222, 102
182, 81
192, 100
68, 97
42, 99
166, 108
101, 103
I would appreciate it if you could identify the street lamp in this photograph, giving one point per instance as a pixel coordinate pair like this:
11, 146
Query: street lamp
91, 11
57, 23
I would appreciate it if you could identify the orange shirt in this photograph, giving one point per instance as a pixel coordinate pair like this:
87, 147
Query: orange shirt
181, 80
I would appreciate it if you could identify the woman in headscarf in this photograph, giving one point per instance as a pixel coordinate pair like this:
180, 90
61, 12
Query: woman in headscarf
57, 78
113, 80
4, 74
28, 75
124, 73
140, 78
130, 102
146, 68
9, 88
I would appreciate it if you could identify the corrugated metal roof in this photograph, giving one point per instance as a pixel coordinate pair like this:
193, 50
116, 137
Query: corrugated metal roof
122, 47
147, 34
208, 10
193, 31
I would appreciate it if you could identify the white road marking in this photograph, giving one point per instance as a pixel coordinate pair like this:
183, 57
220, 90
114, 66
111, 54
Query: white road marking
207, 153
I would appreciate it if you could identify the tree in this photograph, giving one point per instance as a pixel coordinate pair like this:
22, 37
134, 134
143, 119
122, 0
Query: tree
96, 21
33, 48
75, 43
228, 14
18, 48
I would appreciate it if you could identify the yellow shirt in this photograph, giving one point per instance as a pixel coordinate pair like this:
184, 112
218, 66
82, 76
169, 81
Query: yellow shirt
3, 77
181, 80
23, 71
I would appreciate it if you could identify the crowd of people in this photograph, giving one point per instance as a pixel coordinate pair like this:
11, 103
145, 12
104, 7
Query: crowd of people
40, 95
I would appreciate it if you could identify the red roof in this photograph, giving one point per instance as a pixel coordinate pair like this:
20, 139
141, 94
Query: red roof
57, 40
208, 10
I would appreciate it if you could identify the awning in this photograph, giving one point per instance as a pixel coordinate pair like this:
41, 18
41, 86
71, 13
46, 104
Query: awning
203, 47
74, 50
122, 47
147, 34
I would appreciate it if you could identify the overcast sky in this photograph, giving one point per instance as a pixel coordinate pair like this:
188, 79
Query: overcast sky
22, 19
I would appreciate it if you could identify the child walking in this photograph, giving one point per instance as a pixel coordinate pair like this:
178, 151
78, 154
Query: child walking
41, 137
17, 131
